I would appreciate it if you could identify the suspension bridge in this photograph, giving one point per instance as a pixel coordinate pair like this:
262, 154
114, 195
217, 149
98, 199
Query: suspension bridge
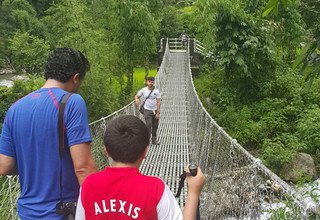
238, 185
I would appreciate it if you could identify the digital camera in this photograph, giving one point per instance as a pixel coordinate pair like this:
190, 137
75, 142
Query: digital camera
66, 208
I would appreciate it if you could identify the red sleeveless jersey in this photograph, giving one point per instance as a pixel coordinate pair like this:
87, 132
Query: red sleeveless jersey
121, 193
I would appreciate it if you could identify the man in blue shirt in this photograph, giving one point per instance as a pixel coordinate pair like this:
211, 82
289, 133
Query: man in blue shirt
29, 144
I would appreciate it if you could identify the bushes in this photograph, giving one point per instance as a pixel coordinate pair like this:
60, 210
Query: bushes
308, 129
284, 122
29, 53
254, 92
243, 50
239, 124
6, 99
276, 154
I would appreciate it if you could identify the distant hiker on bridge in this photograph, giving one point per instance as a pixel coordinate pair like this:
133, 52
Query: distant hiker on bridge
184, 39
122, 192
29, 144
151, 107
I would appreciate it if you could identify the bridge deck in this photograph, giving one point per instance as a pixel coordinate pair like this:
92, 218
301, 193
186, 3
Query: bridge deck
168, 159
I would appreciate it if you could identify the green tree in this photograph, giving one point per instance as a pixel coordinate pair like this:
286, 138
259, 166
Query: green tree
23, 17
41, 5
17, 15
289, 29
204, 16
138, 34
169, 25
155, 7
185, 20
276, 154
274, 5
243, 50
93, 34
310, 12
29, 53
65, 26
309, 59
6, 31
308, 129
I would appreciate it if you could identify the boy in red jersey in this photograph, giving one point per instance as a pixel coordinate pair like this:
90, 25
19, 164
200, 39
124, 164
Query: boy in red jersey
121, 192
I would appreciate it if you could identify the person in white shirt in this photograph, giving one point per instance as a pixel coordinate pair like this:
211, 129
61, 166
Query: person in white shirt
152, 102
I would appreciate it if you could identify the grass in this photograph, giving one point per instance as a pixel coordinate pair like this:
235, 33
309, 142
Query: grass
138, 80
138, 77
118, 85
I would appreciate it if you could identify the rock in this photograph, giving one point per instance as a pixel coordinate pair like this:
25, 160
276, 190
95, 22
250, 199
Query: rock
276, 188
301, 166
208, 100
19, 77
6, 71
6, 83
10, 82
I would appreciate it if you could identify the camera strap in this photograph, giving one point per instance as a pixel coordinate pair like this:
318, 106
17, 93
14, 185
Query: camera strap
62, 106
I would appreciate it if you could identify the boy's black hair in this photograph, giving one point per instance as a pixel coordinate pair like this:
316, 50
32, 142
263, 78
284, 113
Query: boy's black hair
64, 63
126, 138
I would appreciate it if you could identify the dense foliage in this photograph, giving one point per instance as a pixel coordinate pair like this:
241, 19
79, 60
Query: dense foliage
116, 36
253, 90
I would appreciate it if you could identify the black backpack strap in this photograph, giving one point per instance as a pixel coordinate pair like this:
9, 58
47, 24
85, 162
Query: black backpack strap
62, 106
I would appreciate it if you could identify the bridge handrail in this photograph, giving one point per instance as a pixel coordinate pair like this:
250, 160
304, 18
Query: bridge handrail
199, 46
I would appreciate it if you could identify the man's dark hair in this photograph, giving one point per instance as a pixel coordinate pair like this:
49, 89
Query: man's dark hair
64, 63
150, 78
126, 138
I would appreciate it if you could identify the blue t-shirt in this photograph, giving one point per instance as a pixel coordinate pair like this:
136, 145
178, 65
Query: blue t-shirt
29, 135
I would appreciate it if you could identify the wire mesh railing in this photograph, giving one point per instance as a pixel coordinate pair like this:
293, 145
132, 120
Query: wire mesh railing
9, 191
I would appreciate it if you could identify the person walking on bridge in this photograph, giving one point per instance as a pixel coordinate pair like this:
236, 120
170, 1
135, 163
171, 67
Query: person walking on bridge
122, 192
29, 144
151, 112
184, 39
